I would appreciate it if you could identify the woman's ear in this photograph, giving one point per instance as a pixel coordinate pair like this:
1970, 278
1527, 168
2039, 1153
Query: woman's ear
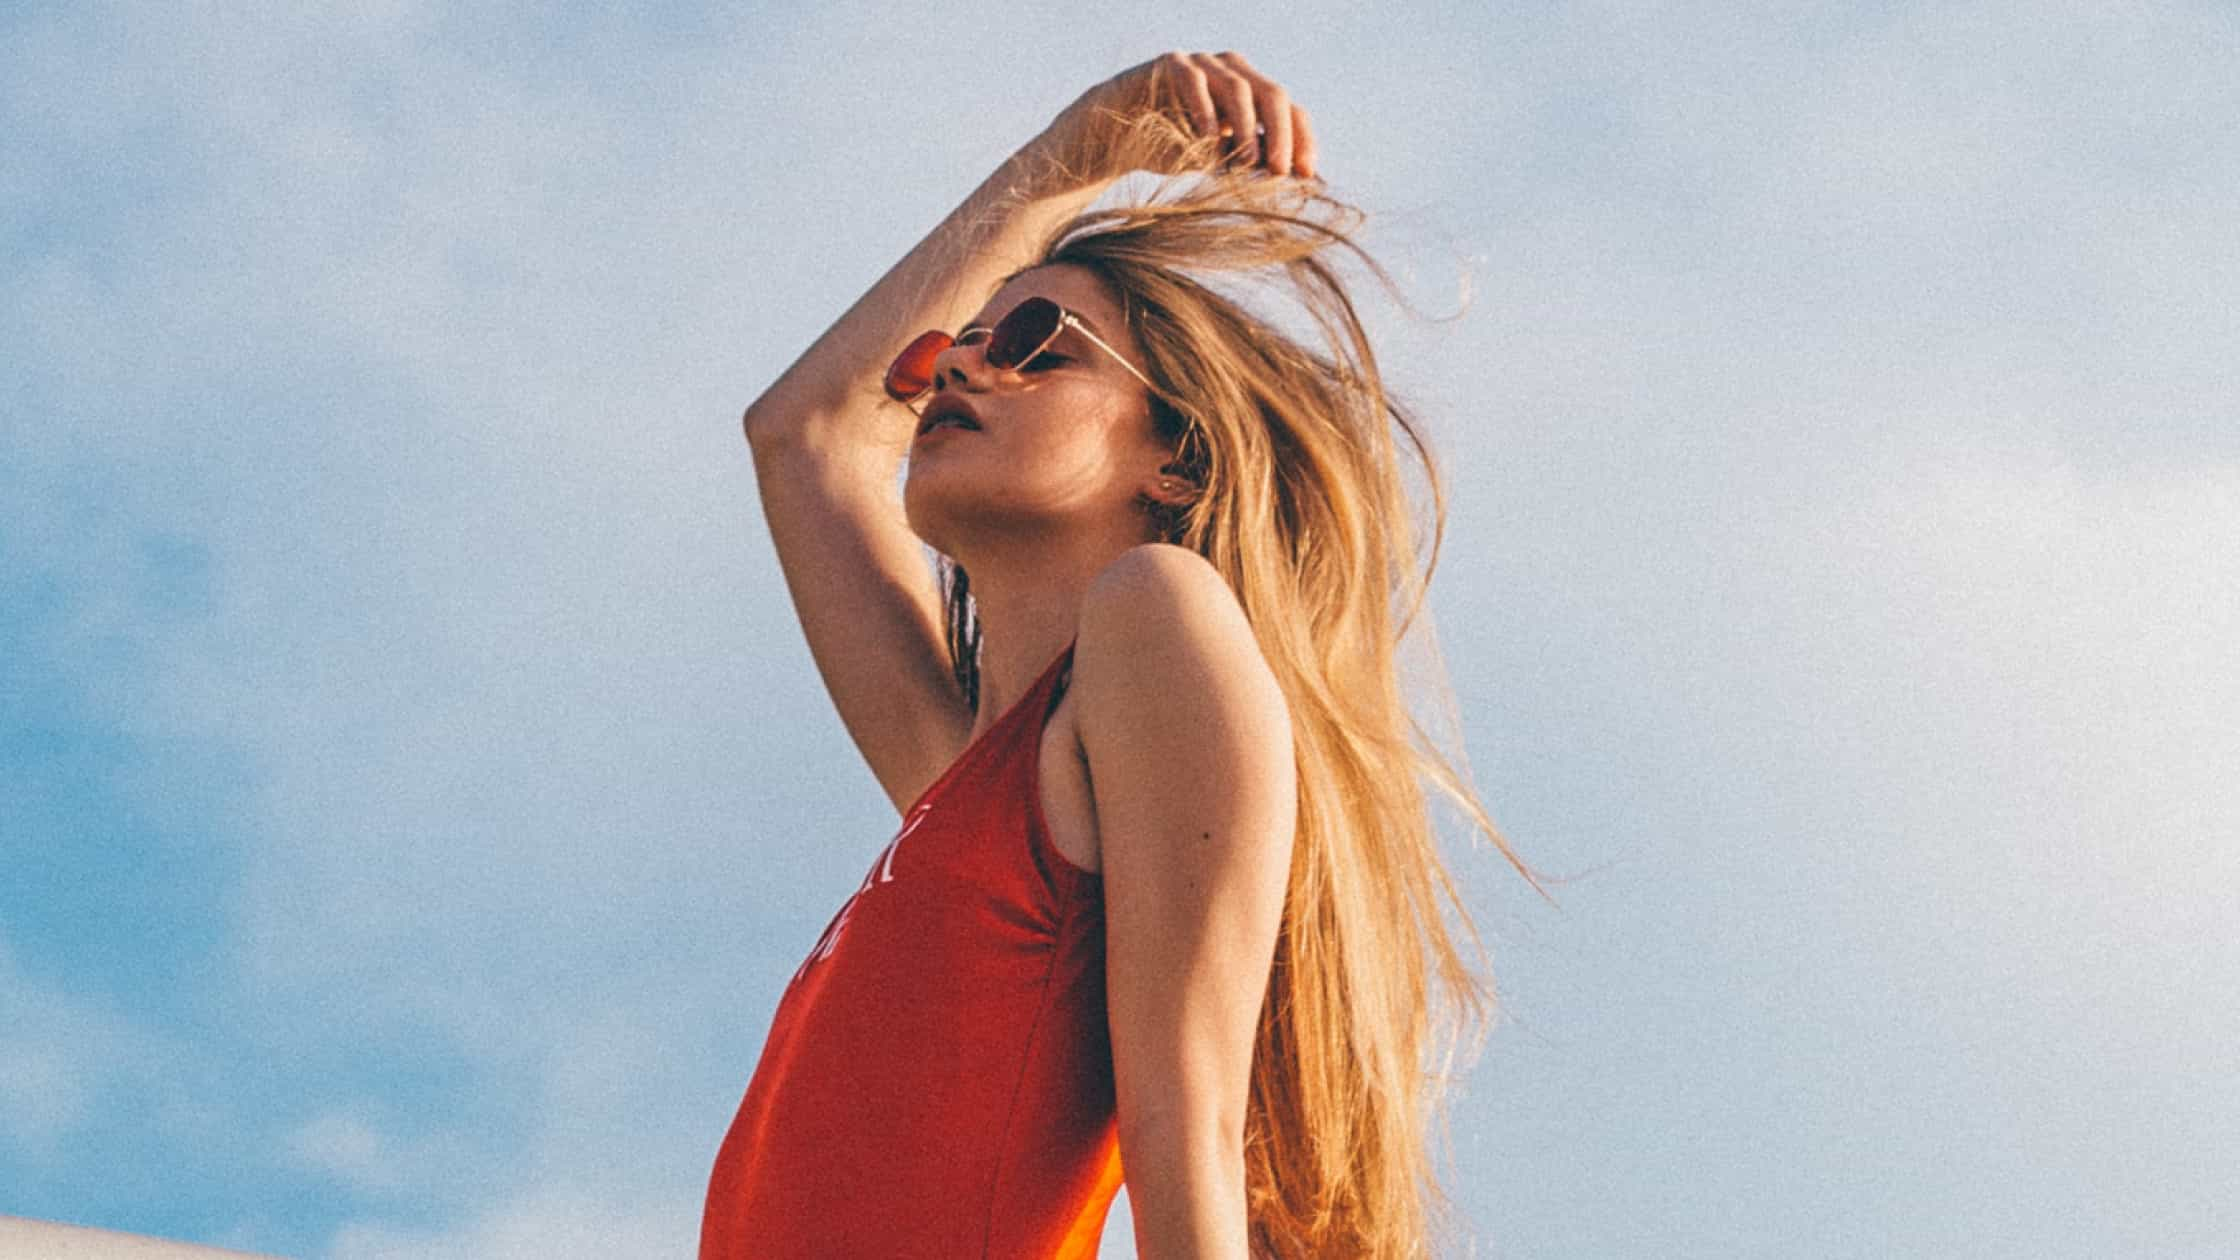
1171, 489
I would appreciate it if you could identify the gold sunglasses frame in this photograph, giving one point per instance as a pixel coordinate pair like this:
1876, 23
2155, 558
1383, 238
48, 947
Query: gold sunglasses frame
974, 334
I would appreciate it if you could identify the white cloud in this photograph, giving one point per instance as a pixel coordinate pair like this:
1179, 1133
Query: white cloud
59, 1056
553, 1222
343, 1144
43, 1089
2041, 654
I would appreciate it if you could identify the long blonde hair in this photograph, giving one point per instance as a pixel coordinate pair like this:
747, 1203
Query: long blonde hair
1306, 513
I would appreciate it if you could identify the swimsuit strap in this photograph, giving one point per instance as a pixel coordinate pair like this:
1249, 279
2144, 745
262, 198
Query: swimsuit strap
1061, 673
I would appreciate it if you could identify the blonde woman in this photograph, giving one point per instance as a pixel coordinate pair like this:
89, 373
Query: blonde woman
1162, 904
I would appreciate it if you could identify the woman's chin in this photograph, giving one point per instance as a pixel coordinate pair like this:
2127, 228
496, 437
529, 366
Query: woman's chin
933, 509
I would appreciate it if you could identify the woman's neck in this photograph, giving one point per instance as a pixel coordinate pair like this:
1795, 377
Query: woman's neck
1029, 609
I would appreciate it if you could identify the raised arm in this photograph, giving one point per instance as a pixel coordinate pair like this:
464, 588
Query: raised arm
828, 444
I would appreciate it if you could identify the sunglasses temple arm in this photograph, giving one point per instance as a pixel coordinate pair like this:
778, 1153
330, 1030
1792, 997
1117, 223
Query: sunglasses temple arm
1083, 329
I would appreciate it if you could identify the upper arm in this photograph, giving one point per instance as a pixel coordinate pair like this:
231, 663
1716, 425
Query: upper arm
1191, 767
870, 608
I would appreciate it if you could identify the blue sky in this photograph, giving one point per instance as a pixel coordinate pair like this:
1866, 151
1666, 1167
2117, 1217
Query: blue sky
414, 789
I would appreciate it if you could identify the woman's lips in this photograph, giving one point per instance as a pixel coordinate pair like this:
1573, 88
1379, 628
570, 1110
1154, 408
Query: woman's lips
939, 430
947, 407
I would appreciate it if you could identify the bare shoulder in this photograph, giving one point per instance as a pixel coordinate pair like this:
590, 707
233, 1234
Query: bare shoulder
1162, 639
1173, 579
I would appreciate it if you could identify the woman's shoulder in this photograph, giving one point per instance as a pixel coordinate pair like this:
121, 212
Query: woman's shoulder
1161, 628
1156, 570
1157, 596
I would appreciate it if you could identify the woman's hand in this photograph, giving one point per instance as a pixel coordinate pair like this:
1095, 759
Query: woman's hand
1209, 94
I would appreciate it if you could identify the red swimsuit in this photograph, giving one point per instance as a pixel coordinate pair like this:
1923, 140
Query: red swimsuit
937, 1081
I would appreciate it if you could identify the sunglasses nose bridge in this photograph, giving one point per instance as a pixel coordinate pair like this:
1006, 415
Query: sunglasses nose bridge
959, 361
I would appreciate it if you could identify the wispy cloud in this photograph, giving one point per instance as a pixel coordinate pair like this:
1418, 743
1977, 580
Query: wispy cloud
57, 1057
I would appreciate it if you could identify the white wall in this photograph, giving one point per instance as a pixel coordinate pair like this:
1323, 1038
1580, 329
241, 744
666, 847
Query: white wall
40, 1240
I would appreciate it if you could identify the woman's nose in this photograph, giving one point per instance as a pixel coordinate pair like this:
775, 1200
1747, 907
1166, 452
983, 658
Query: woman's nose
960, 364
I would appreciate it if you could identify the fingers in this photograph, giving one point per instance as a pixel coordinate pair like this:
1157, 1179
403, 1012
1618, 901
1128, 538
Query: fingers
1302, 144
1270, 108
1224, 95
1189, 82
1232, 96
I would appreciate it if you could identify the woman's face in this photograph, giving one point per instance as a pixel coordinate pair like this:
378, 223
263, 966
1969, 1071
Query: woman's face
1065, 443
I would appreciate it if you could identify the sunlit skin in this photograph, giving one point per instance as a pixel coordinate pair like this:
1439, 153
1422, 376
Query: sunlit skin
1179, 784
1052, 486
1182, 731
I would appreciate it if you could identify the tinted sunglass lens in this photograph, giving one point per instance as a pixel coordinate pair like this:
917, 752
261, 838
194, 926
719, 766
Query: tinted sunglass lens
911, 373
1028, 327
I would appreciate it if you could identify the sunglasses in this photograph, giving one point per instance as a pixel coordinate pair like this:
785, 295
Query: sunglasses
1026, 331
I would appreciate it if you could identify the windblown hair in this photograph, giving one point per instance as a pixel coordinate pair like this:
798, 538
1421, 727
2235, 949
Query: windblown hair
1305, 512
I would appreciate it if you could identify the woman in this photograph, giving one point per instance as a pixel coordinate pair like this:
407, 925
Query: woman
1163, 900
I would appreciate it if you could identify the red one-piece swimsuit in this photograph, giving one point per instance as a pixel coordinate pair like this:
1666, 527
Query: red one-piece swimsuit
937, 1080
